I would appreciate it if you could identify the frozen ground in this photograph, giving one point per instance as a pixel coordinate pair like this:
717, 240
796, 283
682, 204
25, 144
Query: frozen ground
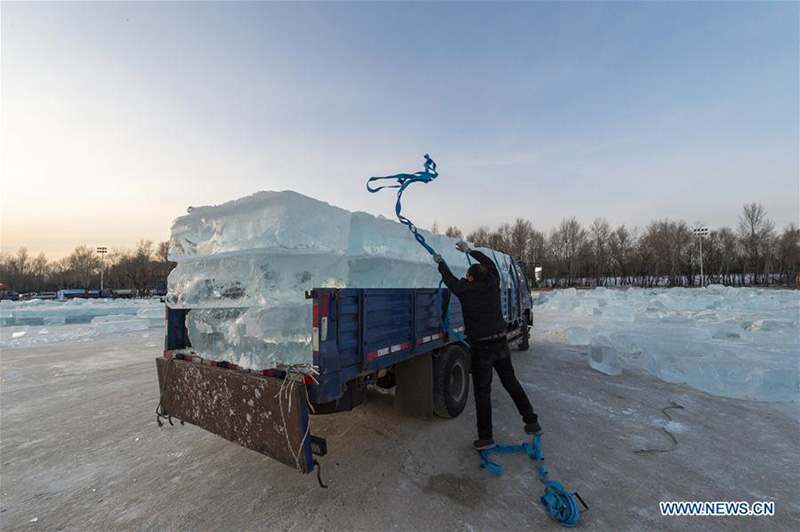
732, 342
80, 450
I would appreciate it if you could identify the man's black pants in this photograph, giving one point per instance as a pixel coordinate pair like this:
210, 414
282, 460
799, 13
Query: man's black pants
485, 357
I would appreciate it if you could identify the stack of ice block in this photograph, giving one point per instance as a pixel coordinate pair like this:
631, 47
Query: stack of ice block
244, 266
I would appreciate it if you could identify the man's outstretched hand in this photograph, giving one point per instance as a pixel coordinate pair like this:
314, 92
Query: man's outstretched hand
437, 258
462, 246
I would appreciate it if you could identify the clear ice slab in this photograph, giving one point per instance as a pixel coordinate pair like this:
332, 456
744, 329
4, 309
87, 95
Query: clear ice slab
243, 267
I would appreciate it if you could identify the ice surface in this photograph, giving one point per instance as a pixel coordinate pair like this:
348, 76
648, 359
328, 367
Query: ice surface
732, 342
578, 335
244, 267
618, 313
75, 320
727, 331
119, 323
53, 312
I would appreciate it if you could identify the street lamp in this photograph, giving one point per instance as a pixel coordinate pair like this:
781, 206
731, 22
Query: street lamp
700, 232
102, 250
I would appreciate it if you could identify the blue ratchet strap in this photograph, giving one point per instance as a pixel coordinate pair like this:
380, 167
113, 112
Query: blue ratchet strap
558, 503
403, 181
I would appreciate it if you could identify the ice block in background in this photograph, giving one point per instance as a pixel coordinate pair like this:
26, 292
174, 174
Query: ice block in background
244, 267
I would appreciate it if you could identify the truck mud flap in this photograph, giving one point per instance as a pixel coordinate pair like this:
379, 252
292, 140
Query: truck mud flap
244, 408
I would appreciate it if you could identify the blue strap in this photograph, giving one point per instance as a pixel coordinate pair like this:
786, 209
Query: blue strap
403, 181
558, 503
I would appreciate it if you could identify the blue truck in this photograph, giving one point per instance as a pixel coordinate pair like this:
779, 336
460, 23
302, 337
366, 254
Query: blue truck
391, 338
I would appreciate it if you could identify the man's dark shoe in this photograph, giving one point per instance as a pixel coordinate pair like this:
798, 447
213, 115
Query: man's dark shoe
482, 445
533, 428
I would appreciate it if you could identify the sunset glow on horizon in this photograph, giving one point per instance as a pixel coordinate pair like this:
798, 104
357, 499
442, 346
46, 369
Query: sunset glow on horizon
116, 117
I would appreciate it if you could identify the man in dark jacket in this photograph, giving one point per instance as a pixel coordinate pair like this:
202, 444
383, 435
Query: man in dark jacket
485, 327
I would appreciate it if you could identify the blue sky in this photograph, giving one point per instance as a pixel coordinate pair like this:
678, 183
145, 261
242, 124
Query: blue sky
117, 116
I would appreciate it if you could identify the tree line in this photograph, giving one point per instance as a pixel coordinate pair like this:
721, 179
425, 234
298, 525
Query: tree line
143, 269
664, 253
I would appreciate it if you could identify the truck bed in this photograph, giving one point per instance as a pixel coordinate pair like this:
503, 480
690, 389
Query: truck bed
358, 336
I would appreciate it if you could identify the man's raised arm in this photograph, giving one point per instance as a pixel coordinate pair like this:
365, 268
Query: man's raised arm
480, 257
455, 285
483, 259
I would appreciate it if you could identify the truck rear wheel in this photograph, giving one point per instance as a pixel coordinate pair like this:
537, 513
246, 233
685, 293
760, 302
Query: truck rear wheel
450, 381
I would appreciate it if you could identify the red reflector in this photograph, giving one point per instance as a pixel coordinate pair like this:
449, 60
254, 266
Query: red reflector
315, 319
307, 379
372, 355
324, 310
420, 341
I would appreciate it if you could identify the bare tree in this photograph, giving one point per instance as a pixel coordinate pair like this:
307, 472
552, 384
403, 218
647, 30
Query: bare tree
519, 237
788, 250
728, 252
500, 239
535, 253
621, 244
83, 265
18, 269
479, 237
39, 272
453, 232
567, 243
435, 228
137, 266
600, 233
755, 232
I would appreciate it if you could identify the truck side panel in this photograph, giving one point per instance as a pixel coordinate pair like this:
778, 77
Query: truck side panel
366, 330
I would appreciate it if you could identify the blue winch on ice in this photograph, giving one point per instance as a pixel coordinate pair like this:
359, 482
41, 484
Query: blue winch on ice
559, 504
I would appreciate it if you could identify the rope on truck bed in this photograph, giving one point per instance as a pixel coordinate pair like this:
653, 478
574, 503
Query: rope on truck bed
294, 376
161, 412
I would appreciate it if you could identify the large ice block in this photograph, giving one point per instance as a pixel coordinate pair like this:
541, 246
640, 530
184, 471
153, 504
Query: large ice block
251, 279
282, 222
244, 267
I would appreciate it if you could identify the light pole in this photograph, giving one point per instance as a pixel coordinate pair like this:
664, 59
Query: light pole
102, 250
700, 232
